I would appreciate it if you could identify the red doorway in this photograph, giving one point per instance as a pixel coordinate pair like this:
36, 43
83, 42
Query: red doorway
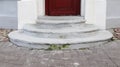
62, 7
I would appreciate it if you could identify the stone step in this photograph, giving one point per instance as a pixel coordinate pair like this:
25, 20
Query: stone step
22, 39
57, 26
80, 28
60, 20
58, 30
62, 35
70, 32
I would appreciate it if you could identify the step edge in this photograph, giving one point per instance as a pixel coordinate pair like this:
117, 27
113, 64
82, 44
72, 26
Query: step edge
63, 40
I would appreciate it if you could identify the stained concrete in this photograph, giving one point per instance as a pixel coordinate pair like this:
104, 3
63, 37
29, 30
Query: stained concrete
106, 55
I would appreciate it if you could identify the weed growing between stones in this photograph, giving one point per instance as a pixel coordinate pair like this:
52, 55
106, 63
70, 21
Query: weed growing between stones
57, 47
112, 39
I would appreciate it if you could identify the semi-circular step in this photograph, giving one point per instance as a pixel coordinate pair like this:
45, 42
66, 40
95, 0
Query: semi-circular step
22, 39
62, 35
56, 26
86, 30
60, 19
80, 28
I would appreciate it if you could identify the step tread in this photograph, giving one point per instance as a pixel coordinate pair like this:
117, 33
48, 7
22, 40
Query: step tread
84, 28
20, 36
60, 19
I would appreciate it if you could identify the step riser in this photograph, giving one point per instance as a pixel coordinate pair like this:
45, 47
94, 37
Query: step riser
74, 29
54, 20
102, 35
61, 35
58, 26
60, 17
44, 46
28, 45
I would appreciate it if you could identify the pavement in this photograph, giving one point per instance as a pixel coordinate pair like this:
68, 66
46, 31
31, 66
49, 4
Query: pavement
106, 55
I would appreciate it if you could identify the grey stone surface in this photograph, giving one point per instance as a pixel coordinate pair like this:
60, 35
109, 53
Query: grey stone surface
60, 19
73, 33
21, 39
106, 55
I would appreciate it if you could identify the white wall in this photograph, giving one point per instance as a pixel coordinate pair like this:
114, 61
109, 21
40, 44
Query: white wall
41, 7
100, 13
8, 14
95, 12
113, 13
27, 12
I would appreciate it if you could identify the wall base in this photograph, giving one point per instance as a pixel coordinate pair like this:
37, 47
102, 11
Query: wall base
113, 22
8, 22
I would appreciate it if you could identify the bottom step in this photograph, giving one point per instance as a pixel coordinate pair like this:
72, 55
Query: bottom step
71, 46
21, 39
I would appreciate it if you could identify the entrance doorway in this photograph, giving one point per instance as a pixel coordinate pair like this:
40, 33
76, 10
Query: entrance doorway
62, 7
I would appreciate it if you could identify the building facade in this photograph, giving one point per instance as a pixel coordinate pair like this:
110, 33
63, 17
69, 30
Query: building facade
42, 23
15, 13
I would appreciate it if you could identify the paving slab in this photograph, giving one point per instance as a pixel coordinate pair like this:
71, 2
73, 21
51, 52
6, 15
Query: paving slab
106, 55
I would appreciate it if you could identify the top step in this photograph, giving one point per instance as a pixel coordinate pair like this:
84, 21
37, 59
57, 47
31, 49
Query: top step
60, 19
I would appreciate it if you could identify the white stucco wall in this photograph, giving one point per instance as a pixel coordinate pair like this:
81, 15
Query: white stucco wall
113, 13
27, 12
95, 12
41, 7
8, 14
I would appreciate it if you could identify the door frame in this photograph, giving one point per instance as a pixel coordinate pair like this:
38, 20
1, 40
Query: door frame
41, 5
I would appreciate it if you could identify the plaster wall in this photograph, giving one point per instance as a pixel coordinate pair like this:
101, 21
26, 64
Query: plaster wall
27, 12
8, 14
113, 13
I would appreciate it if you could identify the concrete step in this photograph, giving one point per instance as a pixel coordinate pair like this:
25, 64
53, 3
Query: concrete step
60, 19
69, 32
80, 28
62, 35
56, 26
58, 30
22, 39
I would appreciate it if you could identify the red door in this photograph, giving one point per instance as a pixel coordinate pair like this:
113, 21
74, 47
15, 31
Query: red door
62, 7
